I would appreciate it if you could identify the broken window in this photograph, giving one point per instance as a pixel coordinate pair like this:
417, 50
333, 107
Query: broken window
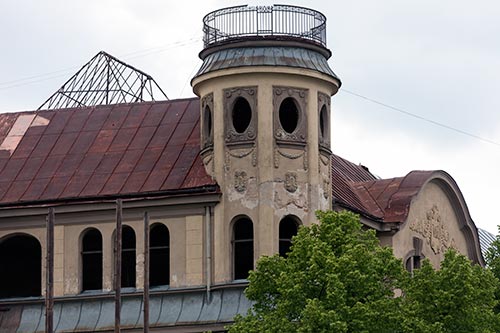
159, 255
288, 229
242, 247
20, 266
92, 260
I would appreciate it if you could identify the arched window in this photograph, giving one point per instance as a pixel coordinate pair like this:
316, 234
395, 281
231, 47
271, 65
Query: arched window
128, 257
92, 260
21, 266
159, 255
288, 229
415, 256
242, 247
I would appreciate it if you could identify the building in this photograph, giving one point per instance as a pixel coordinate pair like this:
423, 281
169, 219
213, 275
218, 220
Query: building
225, 178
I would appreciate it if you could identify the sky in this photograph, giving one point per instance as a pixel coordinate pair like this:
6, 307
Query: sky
438, 60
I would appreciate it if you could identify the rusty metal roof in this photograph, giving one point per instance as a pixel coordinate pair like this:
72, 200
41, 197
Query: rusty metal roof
385, 200
112, 150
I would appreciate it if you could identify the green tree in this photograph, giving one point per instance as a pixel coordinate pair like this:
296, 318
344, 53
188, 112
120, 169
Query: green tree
335, 279
493, 262
459, 297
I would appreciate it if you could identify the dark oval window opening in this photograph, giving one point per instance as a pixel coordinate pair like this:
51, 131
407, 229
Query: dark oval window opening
242, 115
289, 115
323, 122
208, 122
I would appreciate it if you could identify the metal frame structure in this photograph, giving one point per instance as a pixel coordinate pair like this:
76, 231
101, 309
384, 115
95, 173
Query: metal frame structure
104, 80
278, 20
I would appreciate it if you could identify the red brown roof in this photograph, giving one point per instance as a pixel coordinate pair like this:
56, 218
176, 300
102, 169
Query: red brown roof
386, 200
112, 150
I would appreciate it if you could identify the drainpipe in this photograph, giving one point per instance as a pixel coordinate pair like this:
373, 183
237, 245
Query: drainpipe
208, 251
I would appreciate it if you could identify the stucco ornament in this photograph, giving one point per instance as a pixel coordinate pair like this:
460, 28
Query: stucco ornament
291, 181
240, 181
434, 231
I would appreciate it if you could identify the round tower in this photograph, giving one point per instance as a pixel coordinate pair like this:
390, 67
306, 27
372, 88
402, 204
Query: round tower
264, 88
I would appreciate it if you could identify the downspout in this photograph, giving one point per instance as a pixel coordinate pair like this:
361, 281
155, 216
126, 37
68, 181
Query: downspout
208, 251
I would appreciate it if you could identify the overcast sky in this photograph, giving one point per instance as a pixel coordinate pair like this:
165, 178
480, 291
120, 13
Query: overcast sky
437, 59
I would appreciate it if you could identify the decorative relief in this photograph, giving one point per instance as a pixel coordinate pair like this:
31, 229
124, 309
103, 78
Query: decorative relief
207, 129
231, 95
240, 181
278, 152
324, 138
240, 154
326, 187
434, 231
299, 201
291, 181
299, 135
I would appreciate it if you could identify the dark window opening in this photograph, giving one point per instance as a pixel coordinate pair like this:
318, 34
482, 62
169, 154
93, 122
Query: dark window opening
241, 115
289, 115
159, 255
242, 248
92, 260
413, 263
20, 267
128, 257
288, 229
207, 116
323, 122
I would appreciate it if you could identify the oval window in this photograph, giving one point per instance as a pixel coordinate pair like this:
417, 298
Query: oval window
289, 115
242, 115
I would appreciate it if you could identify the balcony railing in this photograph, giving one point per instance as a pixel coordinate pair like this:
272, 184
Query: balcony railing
278, 20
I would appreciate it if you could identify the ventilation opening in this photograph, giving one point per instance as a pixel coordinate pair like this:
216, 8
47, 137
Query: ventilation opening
207, 116
289, 115
128, 257
92, 260
242, 248
21, 262
288, 229
159, 256
323, 122
242, 115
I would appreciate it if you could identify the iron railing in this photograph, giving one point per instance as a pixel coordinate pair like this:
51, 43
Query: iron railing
277, 20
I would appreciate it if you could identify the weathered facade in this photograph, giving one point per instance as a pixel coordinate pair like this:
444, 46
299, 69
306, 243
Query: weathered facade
225, 177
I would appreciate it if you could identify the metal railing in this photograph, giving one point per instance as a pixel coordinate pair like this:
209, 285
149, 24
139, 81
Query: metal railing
277, 20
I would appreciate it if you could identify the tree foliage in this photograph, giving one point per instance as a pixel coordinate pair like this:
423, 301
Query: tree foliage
493, 263
459, 297
337, 278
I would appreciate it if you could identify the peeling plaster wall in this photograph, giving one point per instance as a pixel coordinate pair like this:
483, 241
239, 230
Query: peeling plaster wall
186, 230
432, 219
262, 180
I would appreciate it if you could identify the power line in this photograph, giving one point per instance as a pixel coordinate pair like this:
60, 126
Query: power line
63, 72
422, 118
